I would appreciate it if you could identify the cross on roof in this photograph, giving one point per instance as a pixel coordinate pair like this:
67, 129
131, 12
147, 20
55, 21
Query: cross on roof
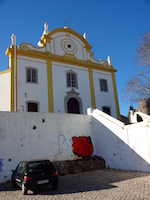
66, 23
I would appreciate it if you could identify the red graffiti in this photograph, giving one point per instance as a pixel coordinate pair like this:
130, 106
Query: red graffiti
82, 146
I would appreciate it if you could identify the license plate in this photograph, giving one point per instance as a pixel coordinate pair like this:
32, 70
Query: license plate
43, 181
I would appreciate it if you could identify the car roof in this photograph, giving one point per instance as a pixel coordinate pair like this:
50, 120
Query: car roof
36, 160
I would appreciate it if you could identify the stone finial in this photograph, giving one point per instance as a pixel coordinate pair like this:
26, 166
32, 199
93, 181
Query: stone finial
13, 39
85, 36
46, 31
109, 60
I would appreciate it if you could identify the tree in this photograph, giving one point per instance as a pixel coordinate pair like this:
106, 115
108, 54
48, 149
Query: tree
138, 86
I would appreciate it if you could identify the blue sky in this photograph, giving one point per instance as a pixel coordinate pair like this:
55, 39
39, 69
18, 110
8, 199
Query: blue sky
112, 28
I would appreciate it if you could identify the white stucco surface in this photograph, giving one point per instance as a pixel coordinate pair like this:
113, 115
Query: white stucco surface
5, 91
32, 92
42, 135
60, 81
26, 136
78, 50
122, 147
59, 51
104, 98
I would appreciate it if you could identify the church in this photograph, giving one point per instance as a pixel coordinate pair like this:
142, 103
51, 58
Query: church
60, 75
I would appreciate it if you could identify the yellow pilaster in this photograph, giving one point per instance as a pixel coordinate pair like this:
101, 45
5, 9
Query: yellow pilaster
50, 86
92, 88
116, 95
12, 52
11, 65
16, 79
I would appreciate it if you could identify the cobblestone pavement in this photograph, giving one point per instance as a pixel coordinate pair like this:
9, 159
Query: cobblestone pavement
100, 184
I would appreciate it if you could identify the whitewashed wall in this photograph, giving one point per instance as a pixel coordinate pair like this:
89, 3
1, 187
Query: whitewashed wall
5, 91
104, 98
59, 81
122, 147
79, 53
26, 136
37, 92
43, 135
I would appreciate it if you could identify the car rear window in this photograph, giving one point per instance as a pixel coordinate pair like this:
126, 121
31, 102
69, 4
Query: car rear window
40, 166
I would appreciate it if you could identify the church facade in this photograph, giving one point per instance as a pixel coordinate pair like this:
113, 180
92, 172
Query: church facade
58, 76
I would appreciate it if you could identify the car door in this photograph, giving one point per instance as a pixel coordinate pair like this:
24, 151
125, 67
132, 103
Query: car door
20, 173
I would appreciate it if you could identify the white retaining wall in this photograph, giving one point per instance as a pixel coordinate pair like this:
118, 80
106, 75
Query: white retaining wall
44, 135
122, 147
26, 136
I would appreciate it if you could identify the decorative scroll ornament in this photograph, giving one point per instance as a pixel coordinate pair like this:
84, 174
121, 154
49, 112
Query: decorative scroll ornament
24, 47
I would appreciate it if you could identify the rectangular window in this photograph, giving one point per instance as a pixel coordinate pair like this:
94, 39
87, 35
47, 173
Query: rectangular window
103, 85
32, 107
106, 110
71, 79
31, 75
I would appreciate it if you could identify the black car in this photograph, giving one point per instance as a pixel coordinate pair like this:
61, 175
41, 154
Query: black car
30, 175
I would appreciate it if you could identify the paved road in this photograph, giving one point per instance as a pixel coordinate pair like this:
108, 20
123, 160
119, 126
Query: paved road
100, 184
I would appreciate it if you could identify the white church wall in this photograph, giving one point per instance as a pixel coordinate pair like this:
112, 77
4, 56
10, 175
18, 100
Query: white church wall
78, 46
32, 91
59, 80
104, 98
81, 52
26, 136
5, 80
122, 147
58, 46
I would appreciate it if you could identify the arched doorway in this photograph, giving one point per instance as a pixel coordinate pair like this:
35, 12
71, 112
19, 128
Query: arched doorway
73, 103
73, 106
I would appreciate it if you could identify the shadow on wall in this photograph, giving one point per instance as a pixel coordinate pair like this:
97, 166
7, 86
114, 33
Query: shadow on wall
116, 153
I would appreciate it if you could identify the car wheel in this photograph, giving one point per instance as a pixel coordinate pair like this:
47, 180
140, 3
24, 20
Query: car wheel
14, 184
55, 185
24, 190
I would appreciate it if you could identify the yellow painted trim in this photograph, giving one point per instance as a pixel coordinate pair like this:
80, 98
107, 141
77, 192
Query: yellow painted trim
50, 86
72, 53
5, 71
46, 39
92, 88
54, 46
70, 31
13, 87
61, 59
11, 64
116, 96
16, 80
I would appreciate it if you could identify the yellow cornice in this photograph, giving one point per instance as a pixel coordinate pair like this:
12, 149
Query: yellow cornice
61, 59
5, 71
8, 52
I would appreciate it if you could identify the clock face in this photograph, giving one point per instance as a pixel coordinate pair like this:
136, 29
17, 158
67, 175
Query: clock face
69, 46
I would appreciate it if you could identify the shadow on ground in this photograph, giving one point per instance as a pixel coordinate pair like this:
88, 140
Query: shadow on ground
83, 182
